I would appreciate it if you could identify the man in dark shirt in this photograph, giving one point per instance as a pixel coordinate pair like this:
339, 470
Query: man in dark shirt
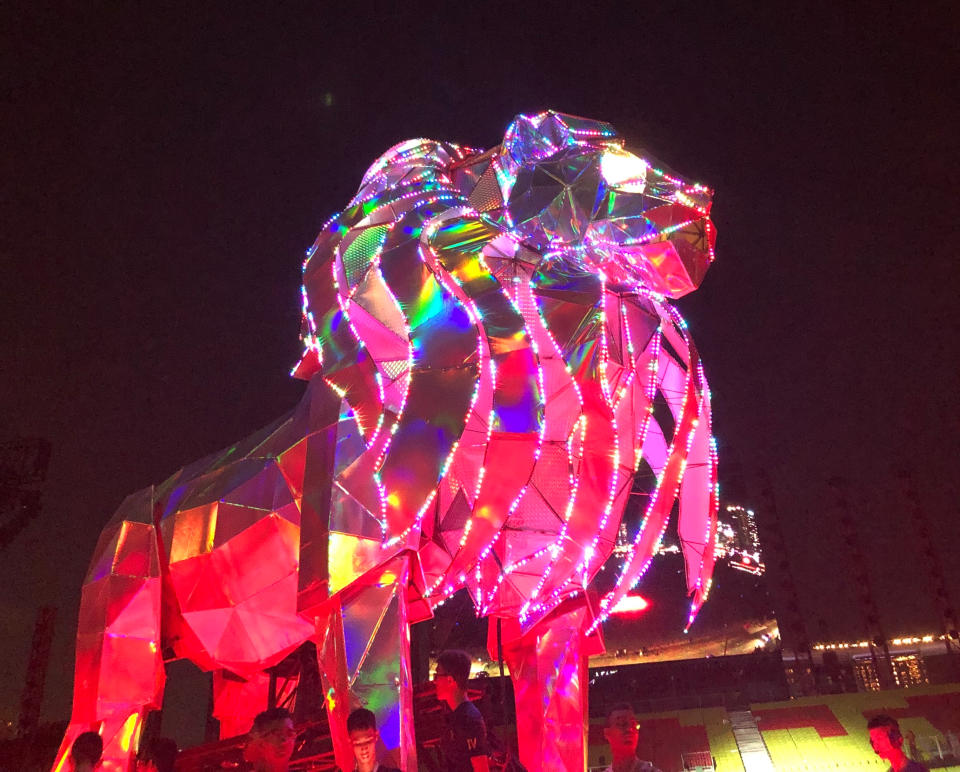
887, 743
464, 742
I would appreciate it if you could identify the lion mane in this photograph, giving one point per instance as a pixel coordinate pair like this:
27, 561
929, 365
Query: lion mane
514, 379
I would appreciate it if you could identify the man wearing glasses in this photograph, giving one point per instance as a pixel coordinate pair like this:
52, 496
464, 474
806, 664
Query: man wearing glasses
464, 741
622, 733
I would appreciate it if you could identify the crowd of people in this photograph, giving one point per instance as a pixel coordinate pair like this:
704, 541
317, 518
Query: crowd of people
271, 740
464, 744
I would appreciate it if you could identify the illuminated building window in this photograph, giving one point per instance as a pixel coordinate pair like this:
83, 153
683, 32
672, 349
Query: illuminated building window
866, 674
908, 670
737, 540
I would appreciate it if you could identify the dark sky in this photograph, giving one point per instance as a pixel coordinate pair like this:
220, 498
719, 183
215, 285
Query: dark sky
163, 170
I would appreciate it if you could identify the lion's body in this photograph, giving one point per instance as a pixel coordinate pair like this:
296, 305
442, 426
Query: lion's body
488, 340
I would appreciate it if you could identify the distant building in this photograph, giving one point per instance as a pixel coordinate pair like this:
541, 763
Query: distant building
744, 528
737, 540
908, 669
865, 671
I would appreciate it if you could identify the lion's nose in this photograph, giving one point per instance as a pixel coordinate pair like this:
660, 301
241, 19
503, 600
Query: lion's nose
674, 262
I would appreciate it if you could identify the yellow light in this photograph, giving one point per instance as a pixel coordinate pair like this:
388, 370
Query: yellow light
130, 732
212, 527
624, 170
61, 763
630, 604
349, 557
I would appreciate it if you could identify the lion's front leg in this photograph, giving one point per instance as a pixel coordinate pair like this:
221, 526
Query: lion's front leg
364, 656
119, 674
548, 667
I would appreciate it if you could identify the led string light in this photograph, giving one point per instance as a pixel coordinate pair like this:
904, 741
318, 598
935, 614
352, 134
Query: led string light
631, 573
412, 202
378, 443
630, 576
591, 550
538, 328
574, 480
344, 303
700, 590
567, 545
417, 518
561, 539
517, 288
487, 371
651, 385
555, 548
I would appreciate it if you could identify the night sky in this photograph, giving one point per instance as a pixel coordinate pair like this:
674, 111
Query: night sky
164, 169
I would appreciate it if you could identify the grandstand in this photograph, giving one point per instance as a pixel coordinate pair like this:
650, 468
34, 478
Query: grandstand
806, 734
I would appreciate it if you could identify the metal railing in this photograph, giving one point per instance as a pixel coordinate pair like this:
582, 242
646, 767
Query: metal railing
935, 750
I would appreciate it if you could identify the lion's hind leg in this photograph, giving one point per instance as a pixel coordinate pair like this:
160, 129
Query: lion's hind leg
119, 667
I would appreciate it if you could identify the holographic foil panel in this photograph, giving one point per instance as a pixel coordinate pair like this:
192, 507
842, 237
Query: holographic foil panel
364, 660
236, 701
119, 671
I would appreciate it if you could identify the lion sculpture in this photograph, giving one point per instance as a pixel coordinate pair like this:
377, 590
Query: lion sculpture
494, 372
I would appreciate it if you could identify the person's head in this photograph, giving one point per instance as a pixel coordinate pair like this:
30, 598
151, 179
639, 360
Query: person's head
271, 738
362, 728
621, 730
157, 755
452, 673
86, 751
885, 737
